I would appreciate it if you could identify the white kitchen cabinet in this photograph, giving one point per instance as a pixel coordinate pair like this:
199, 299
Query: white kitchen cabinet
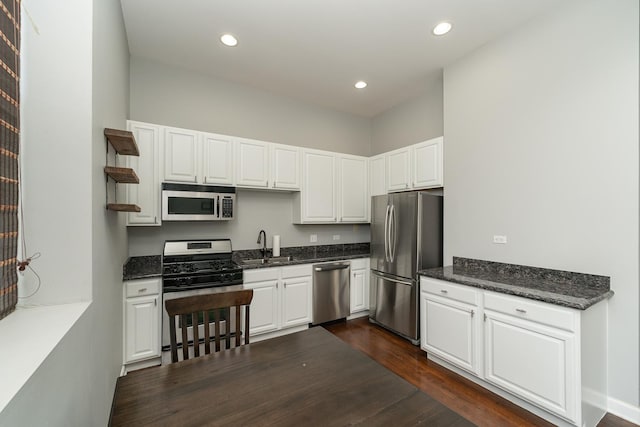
180, 155
264, 314
317, 200
359, 287
536, 335
285, 167
551, 359
428, 164
217, 159
377, 175
354, 189
147, 166
142, 310
296, 295
252, 163
399, 169
450, 323
281, 298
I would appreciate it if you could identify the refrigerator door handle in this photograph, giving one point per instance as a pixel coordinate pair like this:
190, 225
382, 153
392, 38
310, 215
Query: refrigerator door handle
389, 279
393, 231
386, 235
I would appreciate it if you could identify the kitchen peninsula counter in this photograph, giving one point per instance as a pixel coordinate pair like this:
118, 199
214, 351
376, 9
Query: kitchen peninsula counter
564, 288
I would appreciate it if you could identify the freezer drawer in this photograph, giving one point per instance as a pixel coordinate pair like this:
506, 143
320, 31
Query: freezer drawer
394, 305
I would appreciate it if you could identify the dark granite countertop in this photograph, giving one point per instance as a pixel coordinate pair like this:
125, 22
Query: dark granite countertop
141, 267
307, 254
565, 288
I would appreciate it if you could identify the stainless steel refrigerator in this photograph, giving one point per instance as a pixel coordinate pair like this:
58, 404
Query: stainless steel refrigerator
406, 236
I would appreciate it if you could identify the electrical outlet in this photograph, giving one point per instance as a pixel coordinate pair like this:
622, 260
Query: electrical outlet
336, 237
501, 240
313, 238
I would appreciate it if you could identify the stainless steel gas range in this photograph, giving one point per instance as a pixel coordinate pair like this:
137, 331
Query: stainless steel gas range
196, 267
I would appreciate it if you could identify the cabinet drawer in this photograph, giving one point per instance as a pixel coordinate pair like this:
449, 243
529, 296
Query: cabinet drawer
296, 271
138, 288
449, 290
536, 311
359, 263
261, 274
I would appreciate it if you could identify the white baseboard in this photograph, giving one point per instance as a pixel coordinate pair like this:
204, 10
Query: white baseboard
123, 371
624, 410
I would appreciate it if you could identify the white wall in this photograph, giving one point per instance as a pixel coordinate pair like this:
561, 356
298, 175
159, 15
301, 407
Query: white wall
256, 210
541, 132
173, 96
413, 121
109, 239
75, 74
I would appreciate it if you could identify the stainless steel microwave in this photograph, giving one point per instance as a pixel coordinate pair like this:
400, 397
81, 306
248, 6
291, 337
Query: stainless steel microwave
187, 202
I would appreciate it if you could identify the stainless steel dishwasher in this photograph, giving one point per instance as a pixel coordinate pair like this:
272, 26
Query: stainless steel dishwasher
331, 296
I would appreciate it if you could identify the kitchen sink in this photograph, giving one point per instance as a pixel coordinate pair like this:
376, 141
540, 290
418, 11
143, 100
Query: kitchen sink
261, 261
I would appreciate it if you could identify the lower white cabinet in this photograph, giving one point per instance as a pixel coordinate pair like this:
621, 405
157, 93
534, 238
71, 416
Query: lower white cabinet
533, 361
281, 297
359, 289
529, 349
297, 294
450, 324
142, 311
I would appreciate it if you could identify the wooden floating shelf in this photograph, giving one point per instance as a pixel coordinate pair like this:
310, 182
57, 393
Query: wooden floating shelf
121, 207
123, 175
122, 141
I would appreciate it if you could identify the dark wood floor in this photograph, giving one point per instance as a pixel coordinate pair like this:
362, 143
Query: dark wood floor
473, 402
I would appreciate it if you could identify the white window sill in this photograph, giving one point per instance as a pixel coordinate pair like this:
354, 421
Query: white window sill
27, 337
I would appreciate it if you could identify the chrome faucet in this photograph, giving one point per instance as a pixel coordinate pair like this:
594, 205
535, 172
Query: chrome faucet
263, 235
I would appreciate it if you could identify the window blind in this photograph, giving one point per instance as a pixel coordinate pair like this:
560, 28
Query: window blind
9, 147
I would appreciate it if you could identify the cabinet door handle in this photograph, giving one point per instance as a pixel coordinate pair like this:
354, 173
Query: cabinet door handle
519, 310
155, 302
472, 313
155, 219
485, 317
444, 291
406, 186
142, 290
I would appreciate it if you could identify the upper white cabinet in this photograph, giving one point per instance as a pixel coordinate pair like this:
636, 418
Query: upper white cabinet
252, 163
317, 200
217, 159
377, 175
354, 194
180, 148
285, 167
412, 168
147, 166
334, 188
428, 164
399, 169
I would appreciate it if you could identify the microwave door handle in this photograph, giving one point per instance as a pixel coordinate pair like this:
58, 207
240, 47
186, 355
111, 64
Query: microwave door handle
217, 213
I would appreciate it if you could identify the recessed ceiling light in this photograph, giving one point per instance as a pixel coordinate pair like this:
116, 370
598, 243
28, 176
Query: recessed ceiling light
360, 85
229, 40
442, 28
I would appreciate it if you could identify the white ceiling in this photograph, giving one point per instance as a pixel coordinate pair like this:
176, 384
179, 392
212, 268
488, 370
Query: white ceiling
315, 50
